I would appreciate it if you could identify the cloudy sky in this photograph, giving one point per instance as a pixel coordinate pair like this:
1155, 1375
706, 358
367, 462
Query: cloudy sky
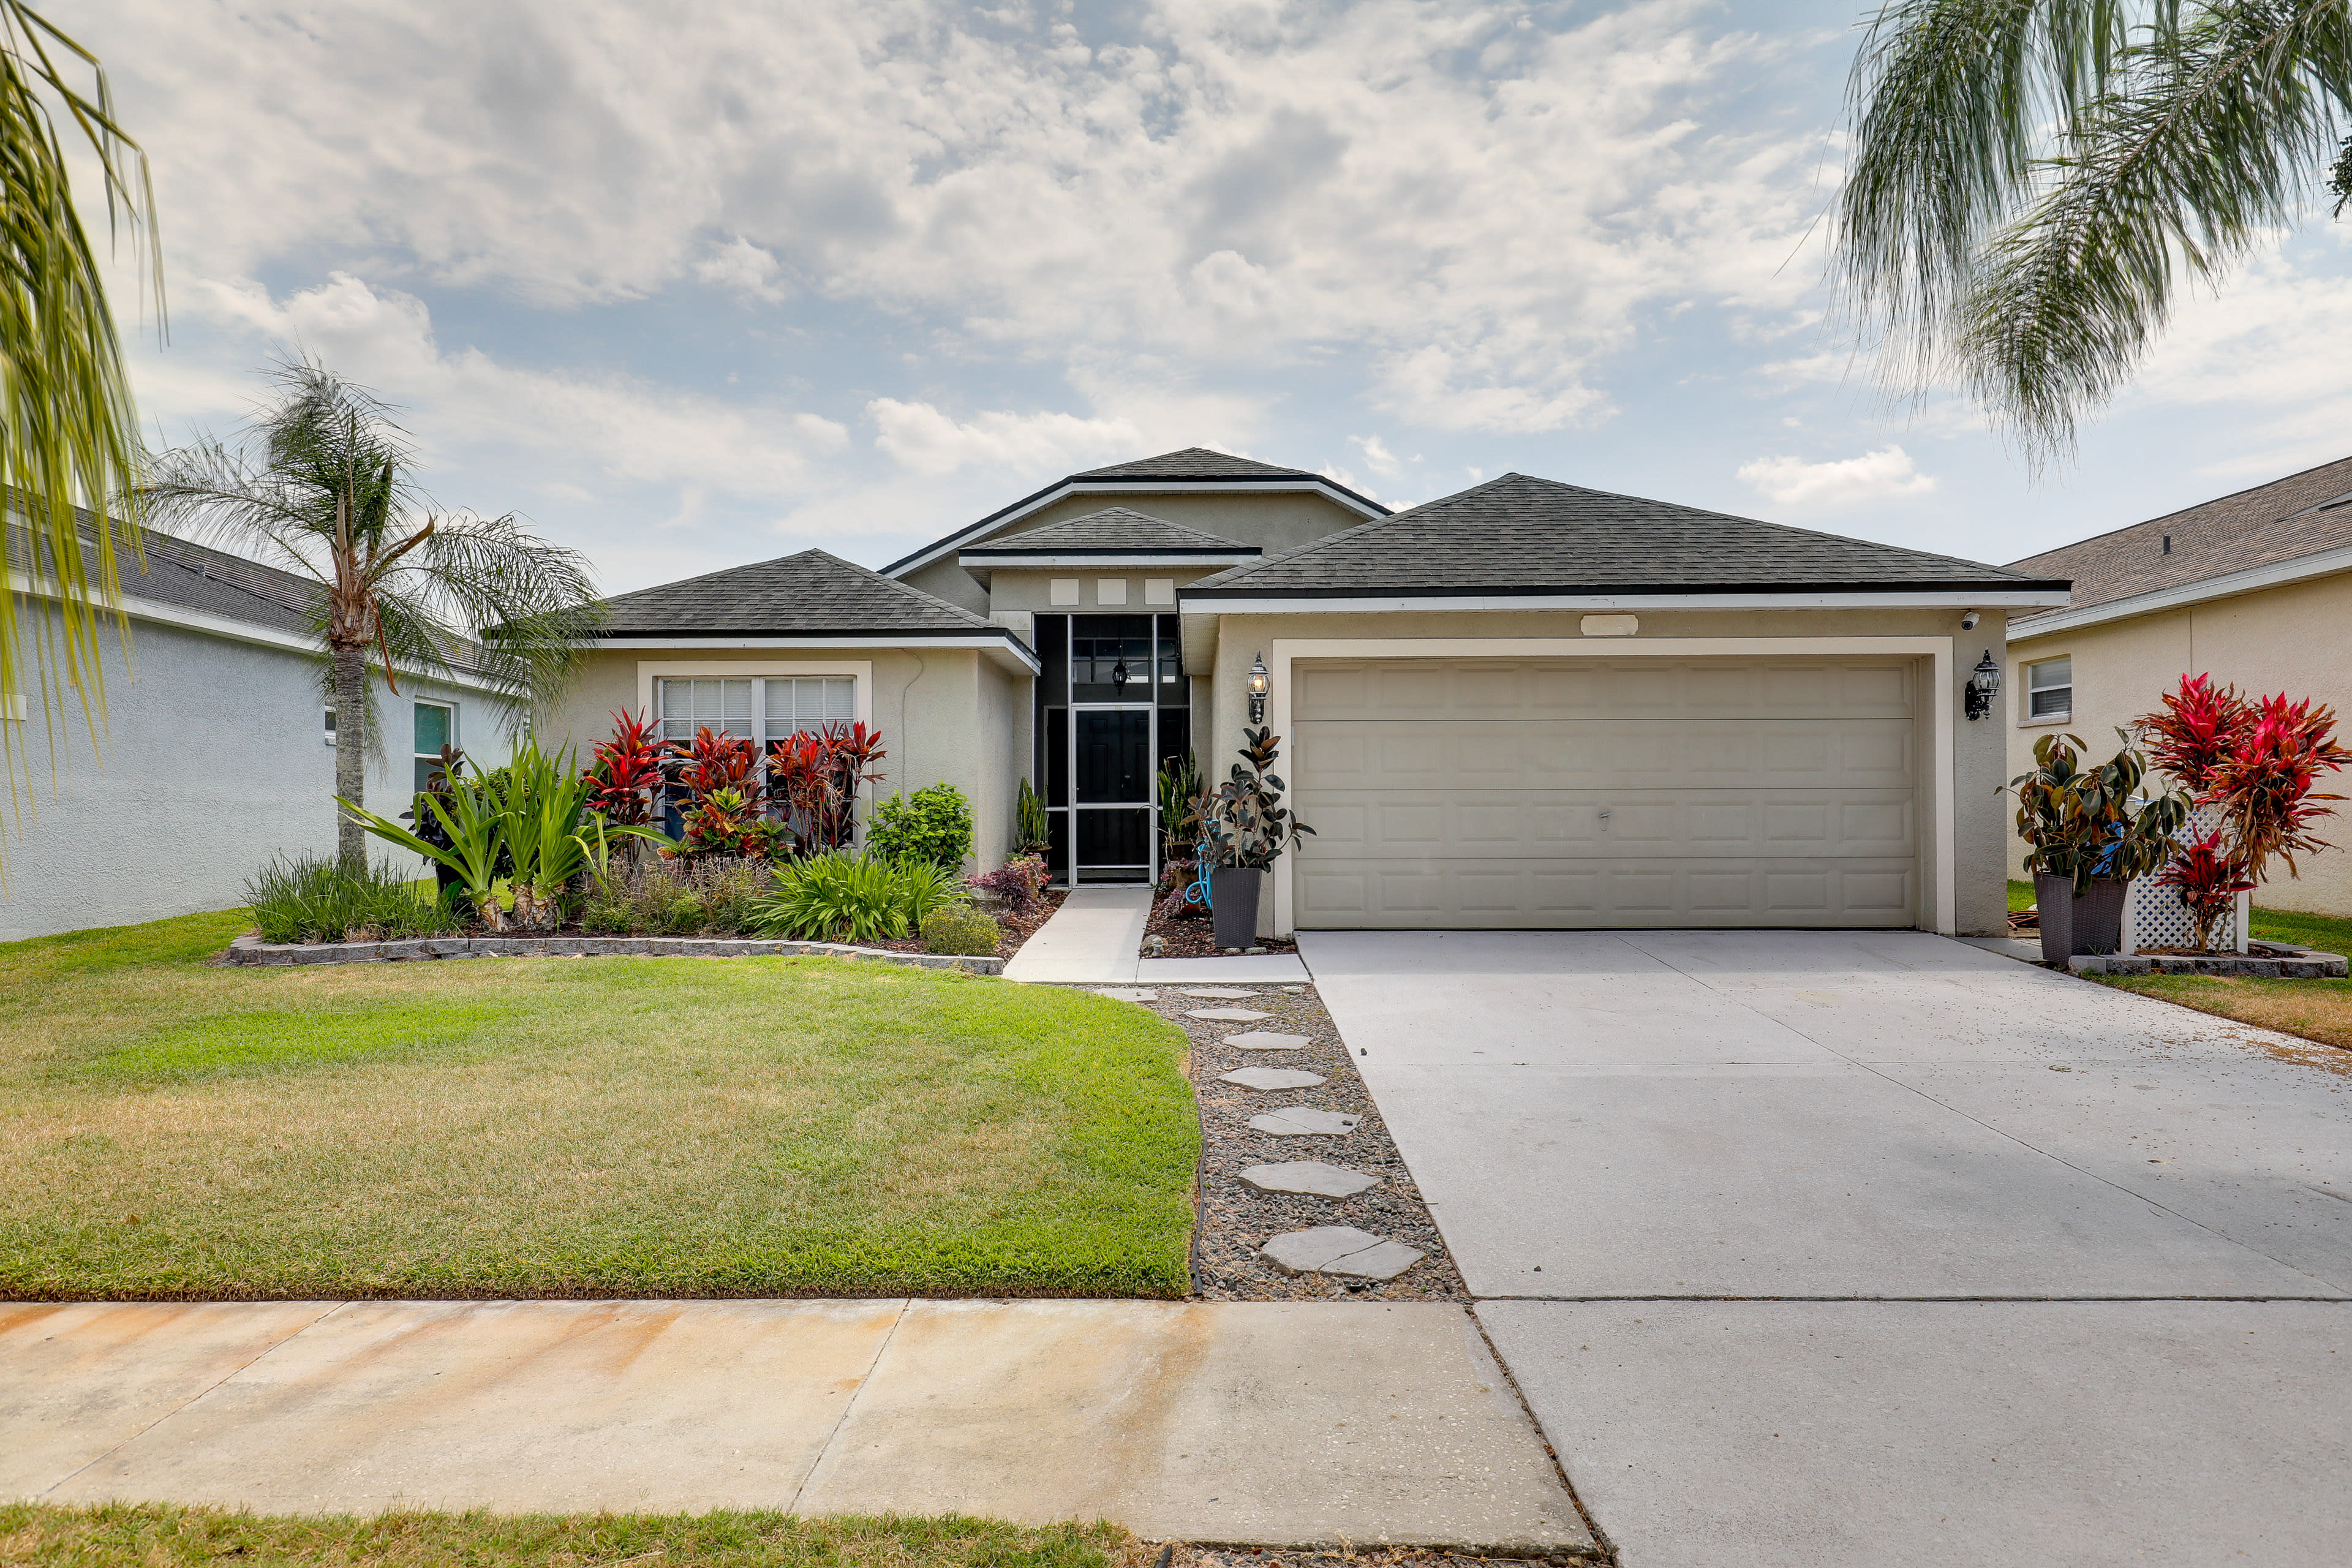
698, 283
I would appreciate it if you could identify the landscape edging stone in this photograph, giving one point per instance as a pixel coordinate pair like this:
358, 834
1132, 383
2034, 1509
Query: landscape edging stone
252, 949
2302, 963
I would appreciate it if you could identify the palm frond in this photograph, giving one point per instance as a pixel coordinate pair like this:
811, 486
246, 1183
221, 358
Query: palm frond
68, 431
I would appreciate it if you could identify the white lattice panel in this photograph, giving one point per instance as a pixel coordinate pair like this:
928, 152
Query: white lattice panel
2155, 917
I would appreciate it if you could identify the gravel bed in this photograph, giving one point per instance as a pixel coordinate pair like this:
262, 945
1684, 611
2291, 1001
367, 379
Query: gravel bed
1234, 1220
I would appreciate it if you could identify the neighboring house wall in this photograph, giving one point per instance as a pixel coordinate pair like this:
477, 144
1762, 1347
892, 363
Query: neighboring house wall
2291, 638
1275, 522
938, 709
1979, 750
211, 758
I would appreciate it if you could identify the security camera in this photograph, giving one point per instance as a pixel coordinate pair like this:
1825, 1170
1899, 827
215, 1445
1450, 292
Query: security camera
1969, 621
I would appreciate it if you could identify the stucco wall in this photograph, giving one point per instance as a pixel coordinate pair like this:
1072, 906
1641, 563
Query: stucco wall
939, 717
1031, 591
211, 758
1273, 521
1978, 749
2293, 639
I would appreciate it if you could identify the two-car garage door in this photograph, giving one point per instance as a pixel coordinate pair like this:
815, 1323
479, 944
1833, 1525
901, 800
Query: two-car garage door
1600, 792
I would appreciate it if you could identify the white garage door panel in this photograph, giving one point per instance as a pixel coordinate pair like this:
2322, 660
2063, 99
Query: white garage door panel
1399, 894
1471, 793
1603, 754
1426, 824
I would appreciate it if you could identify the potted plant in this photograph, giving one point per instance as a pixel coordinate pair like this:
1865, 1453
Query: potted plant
2085, 840
1244, 829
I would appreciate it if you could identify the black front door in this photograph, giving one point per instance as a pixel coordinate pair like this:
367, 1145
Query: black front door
1114, 778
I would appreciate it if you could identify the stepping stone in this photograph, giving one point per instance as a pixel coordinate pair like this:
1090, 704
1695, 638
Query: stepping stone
1312, 1177
1129, 993
1341, 1249
1267, 1079
1228, 992
1303, 1120
1259, 1040
1226, 1015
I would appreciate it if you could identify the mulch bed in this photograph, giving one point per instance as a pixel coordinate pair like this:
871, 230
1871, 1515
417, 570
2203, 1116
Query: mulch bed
1234, 1221
1017, 929
1187, 1556
1195, 936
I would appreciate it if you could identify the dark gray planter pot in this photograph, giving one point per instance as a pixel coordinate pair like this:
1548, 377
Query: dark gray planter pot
1234, 890
2091, 924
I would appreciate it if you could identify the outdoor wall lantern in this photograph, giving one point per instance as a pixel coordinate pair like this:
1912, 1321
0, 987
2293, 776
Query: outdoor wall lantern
1257, 689
1984, 685
1120, 674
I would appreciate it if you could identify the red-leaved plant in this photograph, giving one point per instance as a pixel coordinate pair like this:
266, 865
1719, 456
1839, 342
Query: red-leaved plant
815, 777
2260, 762
626, 775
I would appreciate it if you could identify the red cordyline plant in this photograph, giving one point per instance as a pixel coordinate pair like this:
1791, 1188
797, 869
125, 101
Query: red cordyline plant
2260, 763
722, 813
815, 777
627, 776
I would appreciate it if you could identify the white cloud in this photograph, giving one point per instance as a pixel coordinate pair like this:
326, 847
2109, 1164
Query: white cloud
582, 427
1376, 454
921, 438
1232, 181
1886, 474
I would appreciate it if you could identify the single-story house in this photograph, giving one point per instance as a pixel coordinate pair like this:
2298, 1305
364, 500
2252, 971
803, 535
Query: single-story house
213, 752
1529, 704
2253, 589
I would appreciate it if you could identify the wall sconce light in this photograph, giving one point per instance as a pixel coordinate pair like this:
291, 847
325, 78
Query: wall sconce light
1984, 685
1257, 689
1120, 675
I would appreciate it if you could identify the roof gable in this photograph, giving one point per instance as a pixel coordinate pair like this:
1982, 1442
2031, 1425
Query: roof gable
812, 594
2302, 514
1520, 535
1193, 463
1115, 530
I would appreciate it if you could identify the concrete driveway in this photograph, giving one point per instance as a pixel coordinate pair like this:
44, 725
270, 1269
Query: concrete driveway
1874, 1247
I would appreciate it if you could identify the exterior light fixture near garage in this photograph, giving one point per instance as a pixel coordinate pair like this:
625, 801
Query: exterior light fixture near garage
1257, 689
1984, 685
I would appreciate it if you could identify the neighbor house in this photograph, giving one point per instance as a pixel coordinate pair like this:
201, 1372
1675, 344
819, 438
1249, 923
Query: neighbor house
1527, 705
2253, 589
214, 751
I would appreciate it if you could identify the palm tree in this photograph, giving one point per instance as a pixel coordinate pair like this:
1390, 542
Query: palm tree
2034, 181
322, 486
68, 434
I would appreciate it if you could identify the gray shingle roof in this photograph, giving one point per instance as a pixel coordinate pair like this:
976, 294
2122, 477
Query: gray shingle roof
1193, 463
811, 594
191, 576
1516, 535
2302, 514
1115, 530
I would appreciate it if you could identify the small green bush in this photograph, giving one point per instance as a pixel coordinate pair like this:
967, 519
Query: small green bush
709, 896
833, 897
960, 929
933, 824
312, 898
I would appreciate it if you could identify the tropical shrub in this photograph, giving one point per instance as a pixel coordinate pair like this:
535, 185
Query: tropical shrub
934, 824
1243, 822
313, 898
2209, 879
2079, 822
726, 822
962, 929
814, 778
1179, 823
1019, 882
833, 897
1031, 830
625, 779
923, 886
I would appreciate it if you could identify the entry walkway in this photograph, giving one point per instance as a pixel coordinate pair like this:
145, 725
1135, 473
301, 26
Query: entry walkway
1097, 936
1849, 1249
1283, 1423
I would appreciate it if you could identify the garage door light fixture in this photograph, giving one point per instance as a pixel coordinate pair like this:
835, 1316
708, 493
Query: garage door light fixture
1257, 688
1984, 685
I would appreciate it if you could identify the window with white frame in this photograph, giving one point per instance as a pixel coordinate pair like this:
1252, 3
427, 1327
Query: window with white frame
757, 708
2050, 689
437, 726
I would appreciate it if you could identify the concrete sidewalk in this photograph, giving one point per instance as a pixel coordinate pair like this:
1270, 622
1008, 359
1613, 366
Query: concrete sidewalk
1260, 1423
1095, 938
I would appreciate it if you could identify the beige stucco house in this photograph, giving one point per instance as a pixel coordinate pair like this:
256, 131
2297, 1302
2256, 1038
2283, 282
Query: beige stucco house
1527, 705
2253, 589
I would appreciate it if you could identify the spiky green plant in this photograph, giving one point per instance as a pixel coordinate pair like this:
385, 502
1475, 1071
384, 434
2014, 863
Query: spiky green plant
69, 432
2033, 182
324, 486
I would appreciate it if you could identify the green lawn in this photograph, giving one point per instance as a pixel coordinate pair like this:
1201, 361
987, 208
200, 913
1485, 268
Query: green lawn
154, 1535
574, 1127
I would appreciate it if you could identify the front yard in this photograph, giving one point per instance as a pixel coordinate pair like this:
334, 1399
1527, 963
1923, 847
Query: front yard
574, 1127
